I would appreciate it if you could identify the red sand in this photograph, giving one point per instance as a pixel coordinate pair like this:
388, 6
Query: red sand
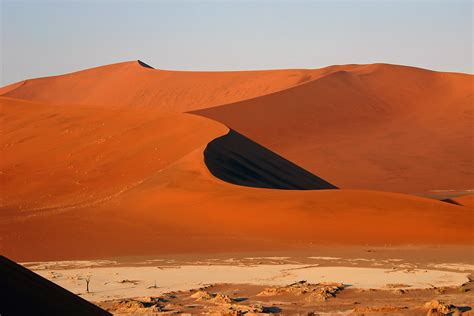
130, 84
377, 127
89, 181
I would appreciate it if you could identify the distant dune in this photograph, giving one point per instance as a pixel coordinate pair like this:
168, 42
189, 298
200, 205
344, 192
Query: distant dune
132, 84
91, 181
380, 127
377, 127
10, 87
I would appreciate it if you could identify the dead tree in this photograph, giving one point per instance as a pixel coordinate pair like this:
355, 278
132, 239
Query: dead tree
88, 279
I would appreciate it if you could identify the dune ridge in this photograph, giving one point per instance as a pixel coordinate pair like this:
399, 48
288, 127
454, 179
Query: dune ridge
170, 91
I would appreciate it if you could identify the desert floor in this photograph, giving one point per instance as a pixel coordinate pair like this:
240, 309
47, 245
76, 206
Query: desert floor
344, 280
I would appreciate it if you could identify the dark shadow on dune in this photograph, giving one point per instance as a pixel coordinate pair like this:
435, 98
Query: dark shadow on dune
236, 159
24, 292
451, 201
145, 65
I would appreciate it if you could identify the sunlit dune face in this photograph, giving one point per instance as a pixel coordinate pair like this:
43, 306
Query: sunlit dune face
61, 157
175, 91
379, 127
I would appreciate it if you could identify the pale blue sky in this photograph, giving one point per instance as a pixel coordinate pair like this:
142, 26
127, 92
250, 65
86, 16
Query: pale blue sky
40, 38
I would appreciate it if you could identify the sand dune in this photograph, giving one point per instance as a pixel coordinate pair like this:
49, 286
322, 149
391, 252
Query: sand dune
90, 182
56, 157
10, 87
378, 127
176, 91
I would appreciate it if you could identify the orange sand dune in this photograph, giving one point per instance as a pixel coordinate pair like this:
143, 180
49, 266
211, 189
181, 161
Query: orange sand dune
89, 182
131, 84
10, 87
381, 127
377, 127
68, 156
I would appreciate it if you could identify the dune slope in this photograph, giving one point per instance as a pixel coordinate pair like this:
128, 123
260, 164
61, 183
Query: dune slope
356, 126
20, 285
60, 157
175, 91
89, 182
379, 127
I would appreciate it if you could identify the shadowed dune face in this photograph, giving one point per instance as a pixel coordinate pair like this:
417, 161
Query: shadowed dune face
91, 182
379, 127
141, 63
236, 159
43, 297
465, 200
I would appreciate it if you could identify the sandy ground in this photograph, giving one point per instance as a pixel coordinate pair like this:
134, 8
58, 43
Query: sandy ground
392, 280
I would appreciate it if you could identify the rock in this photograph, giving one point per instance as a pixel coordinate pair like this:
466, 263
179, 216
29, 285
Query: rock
220, 298
271, 291
201, 296
319, 292
323, 293
135, 306
435, 307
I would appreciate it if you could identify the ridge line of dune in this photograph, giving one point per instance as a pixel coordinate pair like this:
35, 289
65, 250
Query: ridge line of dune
288, 89
20, 84
331, 72
268, 94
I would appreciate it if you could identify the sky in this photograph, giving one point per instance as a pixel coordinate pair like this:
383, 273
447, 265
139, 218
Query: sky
43, 38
